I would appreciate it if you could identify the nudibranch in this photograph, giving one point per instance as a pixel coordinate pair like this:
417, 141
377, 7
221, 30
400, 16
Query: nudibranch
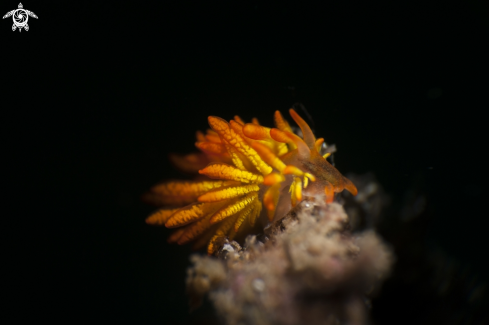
243, 167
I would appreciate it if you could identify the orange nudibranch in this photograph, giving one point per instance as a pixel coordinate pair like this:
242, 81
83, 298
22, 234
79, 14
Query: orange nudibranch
244, 168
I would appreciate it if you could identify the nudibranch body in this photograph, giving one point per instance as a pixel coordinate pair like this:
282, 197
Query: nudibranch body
246, 170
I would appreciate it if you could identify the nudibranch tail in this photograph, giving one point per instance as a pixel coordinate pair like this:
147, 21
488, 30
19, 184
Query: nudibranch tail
245, 167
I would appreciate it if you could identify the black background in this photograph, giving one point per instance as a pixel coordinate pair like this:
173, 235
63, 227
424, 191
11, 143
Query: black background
95, 96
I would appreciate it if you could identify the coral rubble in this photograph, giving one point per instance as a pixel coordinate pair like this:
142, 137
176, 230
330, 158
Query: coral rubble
307, 269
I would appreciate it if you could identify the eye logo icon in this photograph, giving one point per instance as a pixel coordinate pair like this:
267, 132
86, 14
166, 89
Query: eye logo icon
20, 17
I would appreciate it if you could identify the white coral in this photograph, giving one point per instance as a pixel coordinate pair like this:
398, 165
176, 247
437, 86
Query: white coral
310, 271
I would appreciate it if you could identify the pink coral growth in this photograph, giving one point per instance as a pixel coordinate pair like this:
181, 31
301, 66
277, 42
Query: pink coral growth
309, 270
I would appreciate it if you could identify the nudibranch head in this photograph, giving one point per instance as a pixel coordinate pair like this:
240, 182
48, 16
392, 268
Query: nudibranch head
246, 170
